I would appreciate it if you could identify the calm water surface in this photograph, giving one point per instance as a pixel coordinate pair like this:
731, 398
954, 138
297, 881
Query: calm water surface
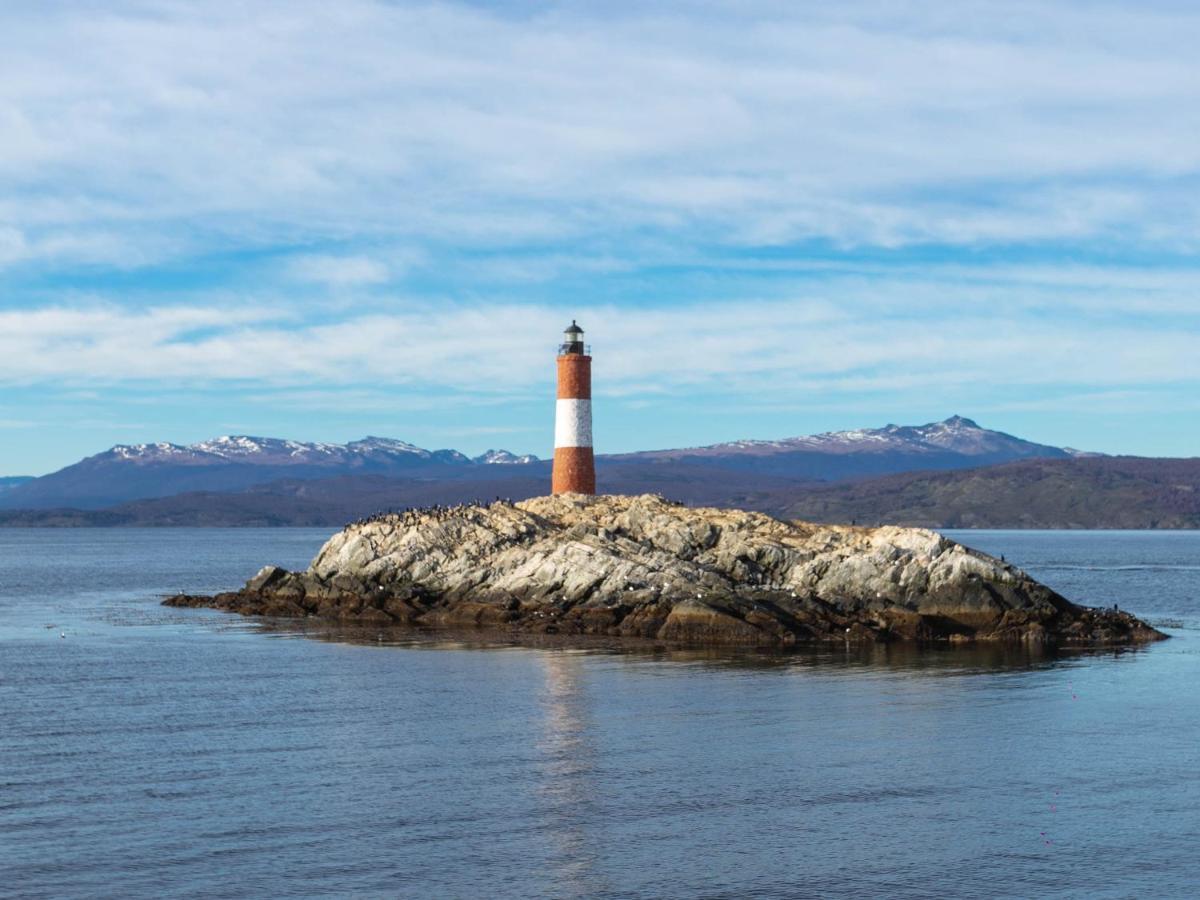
154, 752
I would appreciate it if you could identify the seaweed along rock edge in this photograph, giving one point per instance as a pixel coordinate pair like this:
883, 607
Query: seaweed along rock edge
642, 567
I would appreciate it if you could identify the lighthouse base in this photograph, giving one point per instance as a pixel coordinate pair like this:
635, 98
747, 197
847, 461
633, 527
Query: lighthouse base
574, 471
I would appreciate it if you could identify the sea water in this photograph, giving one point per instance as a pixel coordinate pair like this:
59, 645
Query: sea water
152, 752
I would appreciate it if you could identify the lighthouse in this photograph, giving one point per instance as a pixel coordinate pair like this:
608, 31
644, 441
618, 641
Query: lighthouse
574, 463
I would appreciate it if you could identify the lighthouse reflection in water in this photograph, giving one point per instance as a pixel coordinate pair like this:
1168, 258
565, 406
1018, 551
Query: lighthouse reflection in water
568, 765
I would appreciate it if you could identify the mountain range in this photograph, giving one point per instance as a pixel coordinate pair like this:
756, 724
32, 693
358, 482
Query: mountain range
239, 479
132, 472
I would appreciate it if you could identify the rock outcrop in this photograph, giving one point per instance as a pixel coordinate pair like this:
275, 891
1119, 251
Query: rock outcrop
643, 567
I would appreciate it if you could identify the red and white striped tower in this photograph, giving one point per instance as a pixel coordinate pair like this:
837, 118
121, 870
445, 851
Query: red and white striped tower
574, 463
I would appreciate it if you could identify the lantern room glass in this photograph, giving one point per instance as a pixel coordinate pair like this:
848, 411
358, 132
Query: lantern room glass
572, 339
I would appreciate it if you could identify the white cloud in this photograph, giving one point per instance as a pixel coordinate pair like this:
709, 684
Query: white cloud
339, 271
930, 339
13, 247
86, 246
966, 123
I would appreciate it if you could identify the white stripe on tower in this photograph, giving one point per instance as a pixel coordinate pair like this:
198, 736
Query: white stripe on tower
573, 423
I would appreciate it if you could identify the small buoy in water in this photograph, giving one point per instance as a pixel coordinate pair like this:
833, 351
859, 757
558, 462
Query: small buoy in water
62, 634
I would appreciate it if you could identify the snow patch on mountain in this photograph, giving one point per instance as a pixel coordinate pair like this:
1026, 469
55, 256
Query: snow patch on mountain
387, 445
504, 458
152, 451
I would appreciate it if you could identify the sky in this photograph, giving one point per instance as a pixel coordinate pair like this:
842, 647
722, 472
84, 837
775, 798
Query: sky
322, 221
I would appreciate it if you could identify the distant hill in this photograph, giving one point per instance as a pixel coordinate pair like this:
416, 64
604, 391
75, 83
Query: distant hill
12, 481
1105, 492
237, 463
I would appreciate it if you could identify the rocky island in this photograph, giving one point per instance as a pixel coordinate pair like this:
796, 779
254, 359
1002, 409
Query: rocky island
646, 568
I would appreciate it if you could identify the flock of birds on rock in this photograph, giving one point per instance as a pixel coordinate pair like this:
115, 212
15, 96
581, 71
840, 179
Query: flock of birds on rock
437, 512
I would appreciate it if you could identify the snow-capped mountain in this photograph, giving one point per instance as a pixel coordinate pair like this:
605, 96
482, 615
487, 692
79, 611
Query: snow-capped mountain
962, 435
236, 462
956, 434
954, 443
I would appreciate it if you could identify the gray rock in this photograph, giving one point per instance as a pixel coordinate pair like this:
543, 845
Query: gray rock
646, 567
267, 576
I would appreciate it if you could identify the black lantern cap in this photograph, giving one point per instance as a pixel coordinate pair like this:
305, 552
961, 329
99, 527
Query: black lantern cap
572, 340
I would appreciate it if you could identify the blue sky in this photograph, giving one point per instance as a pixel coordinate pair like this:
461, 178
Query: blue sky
321, 221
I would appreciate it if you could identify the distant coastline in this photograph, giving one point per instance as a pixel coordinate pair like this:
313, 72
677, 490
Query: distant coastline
1103, 493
